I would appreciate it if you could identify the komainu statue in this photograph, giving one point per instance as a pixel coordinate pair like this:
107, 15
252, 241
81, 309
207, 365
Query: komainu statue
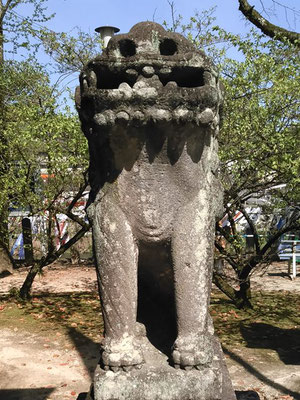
150, 109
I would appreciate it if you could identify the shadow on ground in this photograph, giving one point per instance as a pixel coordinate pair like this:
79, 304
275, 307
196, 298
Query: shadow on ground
88, 350
284, 341
260, 376
246, 395
26, 394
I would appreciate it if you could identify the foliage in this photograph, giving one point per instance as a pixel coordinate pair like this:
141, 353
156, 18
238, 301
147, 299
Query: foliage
71, 52
260, 135
259, 152
259, 142
15, 37
16, 31
37, 132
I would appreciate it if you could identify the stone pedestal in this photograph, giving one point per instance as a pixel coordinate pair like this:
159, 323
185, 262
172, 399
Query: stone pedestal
158, 380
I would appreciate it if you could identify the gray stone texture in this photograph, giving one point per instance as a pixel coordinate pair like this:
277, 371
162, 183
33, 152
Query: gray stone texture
149, 107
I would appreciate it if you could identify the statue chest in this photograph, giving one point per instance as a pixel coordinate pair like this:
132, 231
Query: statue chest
153, 192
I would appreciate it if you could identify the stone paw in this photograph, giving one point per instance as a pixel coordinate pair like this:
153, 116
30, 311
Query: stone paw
121, 354
193, 351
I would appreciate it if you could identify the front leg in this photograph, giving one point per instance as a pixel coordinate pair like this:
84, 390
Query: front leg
192, 252
117, 258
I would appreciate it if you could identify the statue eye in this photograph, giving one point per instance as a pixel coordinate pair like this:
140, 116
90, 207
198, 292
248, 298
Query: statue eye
167, 47
127, 47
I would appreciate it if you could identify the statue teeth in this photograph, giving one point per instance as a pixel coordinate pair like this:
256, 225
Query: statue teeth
160, 114
131, 72
93, 79
208, 78
140, 84
124, 86
115, 94
171, 85
85, 83
100, 119
181, 114
205, 117
110, 117
165, 71
138, 115
126, 90
122, 117
147, 92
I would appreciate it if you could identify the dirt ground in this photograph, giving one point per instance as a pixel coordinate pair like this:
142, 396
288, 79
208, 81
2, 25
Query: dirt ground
44, 365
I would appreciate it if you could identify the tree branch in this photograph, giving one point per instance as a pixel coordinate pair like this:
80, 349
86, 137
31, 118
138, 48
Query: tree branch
252, 227
54, 255
267, 27
227, 257
277, 235
3, 9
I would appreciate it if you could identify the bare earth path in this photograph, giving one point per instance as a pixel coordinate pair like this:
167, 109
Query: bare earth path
41, 364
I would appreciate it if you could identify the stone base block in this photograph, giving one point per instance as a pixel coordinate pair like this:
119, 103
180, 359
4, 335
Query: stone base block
145, 384
158, 380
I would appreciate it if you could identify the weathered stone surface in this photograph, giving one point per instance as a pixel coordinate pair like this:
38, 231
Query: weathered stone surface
149, 107
157, 379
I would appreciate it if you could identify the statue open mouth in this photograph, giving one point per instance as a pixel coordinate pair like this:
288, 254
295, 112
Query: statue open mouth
108, 77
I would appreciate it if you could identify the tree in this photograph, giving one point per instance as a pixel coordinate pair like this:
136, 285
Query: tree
38, 134
37, 130
12, 40
259, 150
259, 146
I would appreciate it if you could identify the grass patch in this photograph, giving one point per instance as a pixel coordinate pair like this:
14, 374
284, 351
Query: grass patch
58, 313
273, 323
275, 318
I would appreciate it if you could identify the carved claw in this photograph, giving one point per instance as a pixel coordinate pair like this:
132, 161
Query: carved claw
114, 355
193, 351
125, 368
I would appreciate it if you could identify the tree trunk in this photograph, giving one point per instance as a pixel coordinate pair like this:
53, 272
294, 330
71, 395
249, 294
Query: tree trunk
244, 295
26, 287
27, 239
241, 298
49, 259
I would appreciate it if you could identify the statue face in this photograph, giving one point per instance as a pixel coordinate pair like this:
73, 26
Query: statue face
150, 75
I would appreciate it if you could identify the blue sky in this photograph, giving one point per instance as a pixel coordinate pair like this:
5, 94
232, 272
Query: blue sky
89, 14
